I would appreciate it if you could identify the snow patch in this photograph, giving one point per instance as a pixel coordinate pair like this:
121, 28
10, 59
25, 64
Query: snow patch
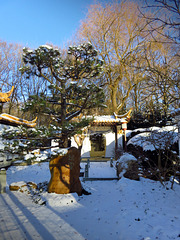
123, 209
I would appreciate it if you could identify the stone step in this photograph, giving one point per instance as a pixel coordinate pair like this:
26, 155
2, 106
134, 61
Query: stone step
100, 179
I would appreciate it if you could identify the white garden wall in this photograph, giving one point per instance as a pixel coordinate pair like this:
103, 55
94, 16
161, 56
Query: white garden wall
110, 145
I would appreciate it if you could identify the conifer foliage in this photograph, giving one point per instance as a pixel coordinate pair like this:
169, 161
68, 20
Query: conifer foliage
72, 82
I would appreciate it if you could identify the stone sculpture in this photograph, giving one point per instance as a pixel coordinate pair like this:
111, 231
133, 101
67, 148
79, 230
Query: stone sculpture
65, 172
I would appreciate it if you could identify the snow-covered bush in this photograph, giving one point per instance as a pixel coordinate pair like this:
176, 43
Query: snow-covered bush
156, 149
23, 142
154, 138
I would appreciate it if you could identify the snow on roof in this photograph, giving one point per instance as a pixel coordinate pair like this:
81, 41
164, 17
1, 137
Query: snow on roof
108, 118
111, 119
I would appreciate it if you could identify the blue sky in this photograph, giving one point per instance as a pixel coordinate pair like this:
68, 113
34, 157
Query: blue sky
35, 22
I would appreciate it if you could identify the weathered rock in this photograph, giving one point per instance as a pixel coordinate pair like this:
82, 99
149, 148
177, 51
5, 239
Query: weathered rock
65, 171
119, 169
20, 185
132, 171
14, 187
129, 169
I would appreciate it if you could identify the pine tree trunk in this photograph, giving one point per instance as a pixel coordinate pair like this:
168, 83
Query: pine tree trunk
63, 116
64, 140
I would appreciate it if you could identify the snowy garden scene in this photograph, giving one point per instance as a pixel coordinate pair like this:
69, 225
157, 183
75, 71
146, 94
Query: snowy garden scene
90, 130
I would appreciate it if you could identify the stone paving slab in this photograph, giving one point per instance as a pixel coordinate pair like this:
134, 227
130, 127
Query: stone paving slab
19, 220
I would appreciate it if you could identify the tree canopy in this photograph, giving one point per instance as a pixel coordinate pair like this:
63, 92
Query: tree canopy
72, 82
116, 32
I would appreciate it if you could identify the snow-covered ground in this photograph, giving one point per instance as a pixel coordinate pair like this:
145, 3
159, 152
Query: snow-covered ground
115, 210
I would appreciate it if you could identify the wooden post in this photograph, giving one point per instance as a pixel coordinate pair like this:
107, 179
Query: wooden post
111, 162
86, 171
88, 163
124, 127
125, 141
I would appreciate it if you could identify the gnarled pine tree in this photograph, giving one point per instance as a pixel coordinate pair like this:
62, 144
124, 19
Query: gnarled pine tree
72, 82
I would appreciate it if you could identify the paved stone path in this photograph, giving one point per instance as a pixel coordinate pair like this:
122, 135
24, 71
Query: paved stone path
19, 220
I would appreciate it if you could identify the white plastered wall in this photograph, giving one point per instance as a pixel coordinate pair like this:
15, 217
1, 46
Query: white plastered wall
110, 144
